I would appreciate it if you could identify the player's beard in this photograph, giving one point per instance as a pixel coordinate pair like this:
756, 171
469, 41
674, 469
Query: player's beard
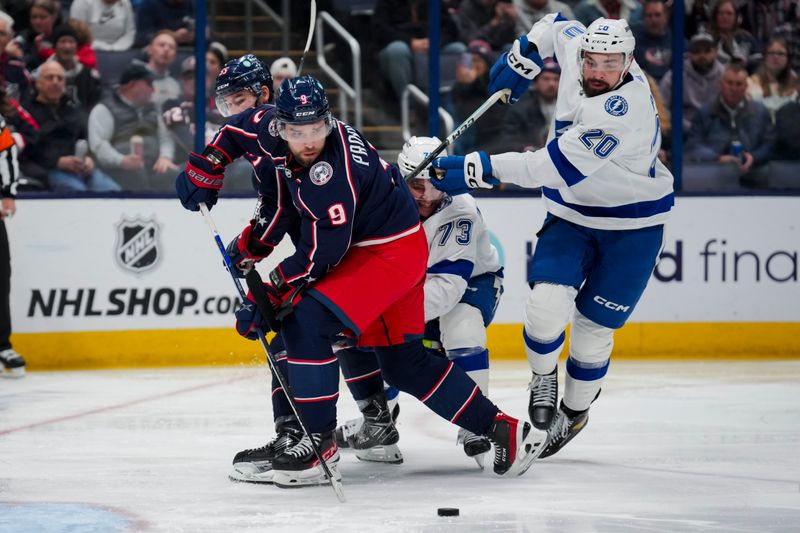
590, 91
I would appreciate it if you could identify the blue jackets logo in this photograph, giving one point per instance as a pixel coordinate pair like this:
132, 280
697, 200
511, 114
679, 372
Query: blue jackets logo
616, 106
137, 244
321, 173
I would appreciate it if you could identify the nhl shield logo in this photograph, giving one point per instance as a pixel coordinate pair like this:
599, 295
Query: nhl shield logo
321, 173
137, 244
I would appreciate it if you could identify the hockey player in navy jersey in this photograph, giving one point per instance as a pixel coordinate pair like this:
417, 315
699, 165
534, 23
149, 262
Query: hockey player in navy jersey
243, 87
463, 283
360, 265
607, 196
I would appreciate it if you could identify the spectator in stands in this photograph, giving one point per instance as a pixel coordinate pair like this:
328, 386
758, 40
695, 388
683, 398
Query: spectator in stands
174, 15
527, 123
787, 132
161, 55
702, 73
531, 11
37, 45
13, 75
117, 121
111, 21
697, 16
732, 41
774, 83
654, 40
790, 32
281, 69
469, 91
58, 157
763, 17
216, 57
400, 29
663, 118
493, 21
733, 129
587, 11
85, 52
179, 116
83, 84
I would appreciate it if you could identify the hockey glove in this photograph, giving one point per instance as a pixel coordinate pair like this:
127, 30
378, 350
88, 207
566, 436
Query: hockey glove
516, 69
244, 251
249, 317
462, 173
199, 183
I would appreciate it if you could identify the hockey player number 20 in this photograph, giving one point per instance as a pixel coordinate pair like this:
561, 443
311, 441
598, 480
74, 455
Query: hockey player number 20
603, 143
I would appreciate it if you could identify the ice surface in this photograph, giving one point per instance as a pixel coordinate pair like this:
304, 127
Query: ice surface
677, 446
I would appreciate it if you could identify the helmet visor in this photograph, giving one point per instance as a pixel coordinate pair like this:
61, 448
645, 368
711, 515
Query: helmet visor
305, 133
234, 103
603, 62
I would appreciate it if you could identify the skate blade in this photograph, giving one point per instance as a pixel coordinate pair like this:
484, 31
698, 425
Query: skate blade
242, 475
532, 447
15, 373
480, 459
389, 454
312, 477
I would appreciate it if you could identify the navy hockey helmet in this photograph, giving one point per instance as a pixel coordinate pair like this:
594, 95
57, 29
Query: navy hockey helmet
300, 101
244, 73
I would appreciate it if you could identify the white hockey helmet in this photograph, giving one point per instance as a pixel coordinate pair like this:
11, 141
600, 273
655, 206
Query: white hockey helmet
609, 36
414, 151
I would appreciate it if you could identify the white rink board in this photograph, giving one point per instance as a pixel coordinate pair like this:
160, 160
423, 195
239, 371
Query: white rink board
69, 274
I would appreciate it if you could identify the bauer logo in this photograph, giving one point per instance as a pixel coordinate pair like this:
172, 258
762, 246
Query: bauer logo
616, 106
321, 173
137, 244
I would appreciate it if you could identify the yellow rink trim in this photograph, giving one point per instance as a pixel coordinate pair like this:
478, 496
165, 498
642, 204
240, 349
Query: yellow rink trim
222, 346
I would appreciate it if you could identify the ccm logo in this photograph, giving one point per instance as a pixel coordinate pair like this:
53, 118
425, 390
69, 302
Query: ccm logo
611, 305
471, 175
516, 64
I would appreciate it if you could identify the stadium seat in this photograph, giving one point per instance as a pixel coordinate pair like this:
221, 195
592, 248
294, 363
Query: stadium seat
710, 177
783, 175
447, 71
112, 64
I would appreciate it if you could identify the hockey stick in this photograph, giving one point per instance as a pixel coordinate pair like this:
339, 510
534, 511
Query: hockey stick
311, 24
458, 132
256, 287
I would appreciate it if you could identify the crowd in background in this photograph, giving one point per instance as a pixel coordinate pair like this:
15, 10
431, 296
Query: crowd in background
79, 128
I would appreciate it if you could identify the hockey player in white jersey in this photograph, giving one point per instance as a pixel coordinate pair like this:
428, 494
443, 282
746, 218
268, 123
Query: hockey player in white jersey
462, 287
607, 196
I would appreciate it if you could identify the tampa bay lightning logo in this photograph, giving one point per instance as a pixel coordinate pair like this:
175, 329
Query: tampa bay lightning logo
616, 106
321, 173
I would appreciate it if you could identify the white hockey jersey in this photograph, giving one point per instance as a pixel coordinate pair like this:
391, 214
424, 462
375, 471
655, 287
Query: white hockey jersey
459, 249
600, 167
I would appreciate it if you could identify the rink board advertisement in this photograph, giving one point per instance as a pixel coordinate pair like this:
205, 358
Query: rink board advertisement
112, 282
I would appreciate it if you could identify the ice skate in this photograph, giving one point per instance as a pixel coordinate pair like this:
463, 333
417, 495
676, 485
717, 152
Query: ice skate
543, 400
475, 446
566, 425
516, 444
255, 465
374, 437
299, 467
13, 363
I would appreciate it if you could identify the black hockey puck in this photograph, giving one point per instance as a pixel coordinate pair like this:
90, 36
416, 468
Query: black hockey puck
447, 511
